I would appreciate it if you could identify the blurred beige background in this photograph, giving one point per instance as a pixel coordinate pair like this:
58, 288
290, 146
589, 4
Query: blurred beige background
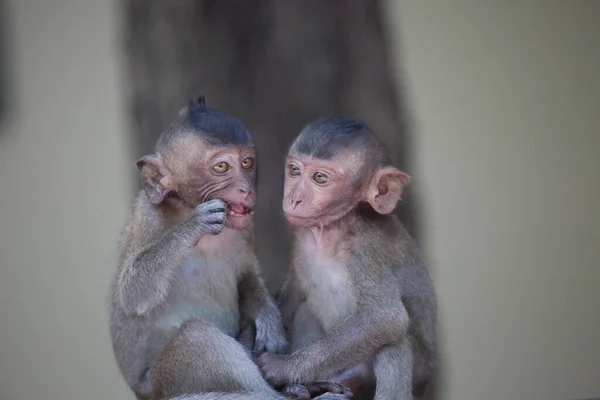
504, 99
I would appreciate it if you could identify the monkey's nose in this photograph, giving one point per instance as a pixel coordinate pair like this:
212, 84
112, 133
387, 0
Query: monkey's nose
246, 192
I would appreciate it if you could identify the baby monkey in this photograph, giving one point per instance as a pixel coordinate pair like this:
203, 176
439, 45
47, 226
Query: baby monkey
358, 304
188, 278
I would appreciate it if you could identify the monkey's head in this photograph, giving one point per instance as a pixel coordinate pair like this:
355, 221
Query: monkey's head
333, 165
203, 155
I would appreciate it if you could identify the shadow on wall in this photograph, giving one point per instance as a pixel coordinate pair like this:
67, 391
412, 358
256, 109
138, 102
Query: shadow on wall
261, 62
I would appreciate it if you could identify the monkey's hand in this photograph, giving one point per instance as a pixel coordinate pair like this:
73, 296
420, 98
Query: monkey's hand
208, 218
270, 336
276, 369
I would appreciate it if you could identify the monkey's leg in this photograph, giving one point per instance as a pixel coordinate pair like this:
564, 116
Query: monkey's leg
202, 363
248, 396
220, 396
201, 359
393, 372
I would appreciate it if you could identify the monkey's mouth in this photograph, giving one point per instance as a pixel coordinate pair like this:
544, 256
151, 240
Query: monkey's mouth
239, 210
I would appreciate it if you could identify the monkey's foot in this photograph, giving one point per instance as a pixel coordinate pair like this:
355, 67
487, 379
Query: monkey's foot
322, 388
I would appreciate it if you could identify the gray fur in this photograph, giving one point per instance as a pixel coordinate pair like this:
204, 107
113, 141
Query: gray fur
163, 281
214, 126
252, 396
378, 307
147, 270
358, 306
187, 281
269, 334
328, 136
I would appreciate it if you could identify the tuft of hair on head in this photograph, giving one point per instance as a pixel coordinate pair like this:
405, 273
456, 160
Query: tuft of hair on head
213, 126
325, 137
201, 101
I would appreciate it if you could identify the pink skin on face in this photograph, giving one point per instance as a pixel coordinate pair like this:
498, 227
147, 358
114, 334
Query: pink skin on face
316, 191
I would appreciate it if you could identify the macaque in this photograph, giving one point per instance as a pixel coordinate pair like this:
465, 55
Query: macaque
358, 305
188, 280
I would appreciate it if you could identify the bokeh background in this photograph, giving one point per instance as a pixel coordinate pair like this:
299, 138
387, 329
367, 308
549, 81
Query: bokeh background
492, 107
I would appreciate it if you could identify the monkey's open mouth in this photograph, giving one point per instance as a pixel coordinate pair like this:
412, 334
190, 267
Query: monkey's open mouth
239, 210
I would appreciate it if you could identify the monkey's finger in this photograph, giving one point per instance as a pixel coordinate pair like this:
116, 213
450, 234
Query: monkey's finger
216, 205
217, 217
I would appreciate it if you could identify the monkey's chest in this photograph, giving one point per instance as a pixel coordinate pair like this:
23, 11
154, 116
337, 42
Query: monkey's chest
330, 294
204, 289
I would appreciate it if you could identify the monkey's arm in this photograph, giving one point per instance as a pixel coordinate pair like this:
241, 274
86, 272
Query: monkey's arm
152, 254
288, 299
421, 304
257, 306
354, 340
146, 274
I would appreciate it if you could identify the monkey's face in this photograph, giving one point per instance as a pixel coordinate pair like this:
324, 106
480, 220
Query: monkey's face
228, 174
318, 192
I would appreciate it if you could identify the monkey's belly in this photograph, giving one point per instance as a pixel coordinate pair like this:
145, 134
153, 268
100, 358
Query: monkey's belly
331, 308
224, 318
206, 291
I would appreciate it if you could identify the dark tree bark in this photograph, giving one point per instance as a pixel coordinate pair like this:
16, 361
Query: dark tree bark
275, 65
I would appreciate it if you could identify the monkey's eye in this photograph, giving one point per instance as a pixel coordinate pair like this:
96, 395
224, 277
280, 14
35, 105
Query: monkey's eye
221, 167
294, 170
320, 177
247, 162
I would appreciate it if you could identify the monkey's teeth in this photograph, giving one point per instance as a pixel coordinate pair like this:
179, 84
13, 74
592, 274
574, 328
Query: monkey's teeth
231, 212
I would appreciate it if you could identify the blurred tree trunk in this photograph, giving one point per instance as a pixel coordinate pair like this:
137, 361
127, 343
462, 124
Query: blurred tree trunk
276, 65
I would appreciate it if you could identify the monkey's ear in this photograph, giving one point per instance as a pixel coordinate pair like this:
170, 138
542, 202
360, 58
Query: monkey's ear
155, 178
385, 190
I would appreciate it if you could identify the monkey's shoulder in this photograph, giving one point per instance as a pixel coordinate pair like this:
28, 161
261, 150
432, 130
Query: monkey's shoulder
145, 223
386, 255
386, 237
